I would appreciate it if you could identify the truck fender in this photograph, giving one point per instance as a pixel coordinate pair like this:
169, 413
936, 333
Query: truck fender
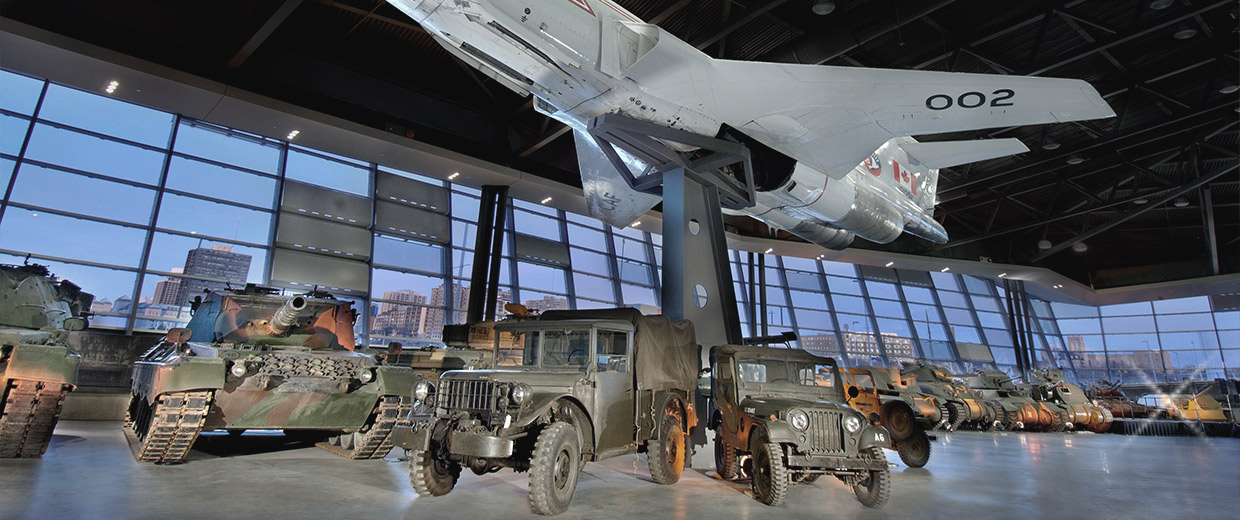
874, 435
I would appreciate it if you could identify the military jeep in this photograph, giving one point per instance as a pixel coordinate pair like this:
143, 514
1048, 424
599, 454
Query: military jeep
567, 388
779, 413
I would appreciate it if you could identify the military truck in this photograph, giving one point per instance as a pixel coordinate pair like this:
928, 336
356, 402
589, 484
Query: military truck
784, 412
1020, 412
251, 359
964, 408
568, 387
1074, 407
892, 403
37, 367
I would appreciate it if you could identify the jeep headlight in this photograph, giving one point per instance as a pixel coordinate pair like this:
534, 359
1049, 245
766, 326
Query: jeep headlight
521, 393
798, 419
421, 390
239, 369
852, 424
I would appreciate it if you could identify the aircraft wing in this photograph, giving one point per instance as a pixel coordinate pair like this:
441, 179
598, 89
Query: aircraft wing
945, 154
831, 118
608, 197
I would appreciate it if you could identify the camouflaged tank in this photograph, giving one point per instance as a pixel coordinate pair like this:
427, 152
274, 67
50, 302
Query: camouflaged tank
965, 409
251, 359
1020, 412
37, 367
1075, 408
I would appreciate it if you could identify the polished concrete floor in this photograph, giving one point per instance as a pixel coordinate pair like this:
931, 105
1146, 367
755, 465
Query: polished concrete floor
88, 472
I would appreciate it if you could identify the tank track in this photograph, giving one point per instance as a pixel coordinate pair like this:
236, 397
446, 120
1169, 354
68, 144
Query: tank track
30, 412
944, 417
377, 441
173, 427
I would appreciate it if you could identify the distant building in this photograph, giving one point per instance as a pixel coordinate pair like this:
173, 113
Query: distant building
168, 291
218, 262
435, 316
821, 344
547, 303
407, 319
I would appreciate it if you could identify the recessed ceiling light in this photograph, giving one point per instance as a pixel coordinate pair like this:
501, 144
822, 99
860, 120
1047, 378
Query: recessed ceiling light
546, 200
1180, 202
112, 86
768, 250
1079, 247
945, 269
1044, 244
1141, 200
637, 223
454, 175
823, 7
1185, 33
293, 134
1001, 275
1075, 160
1050, 145
1229, 89
889, 264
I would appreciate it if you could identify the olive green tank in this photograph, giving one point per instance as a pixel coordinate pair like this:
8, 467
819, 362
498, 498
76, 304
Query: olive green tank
965, 409
251, 359
1049, 386
1020, 412
37, 367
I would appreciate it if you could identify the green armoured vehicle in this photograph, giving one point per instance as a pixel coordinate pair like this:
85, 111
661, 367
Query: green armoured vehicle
783, 410
1020, 412
262, 361
569, 387
964, 407
1049, 386
37, 367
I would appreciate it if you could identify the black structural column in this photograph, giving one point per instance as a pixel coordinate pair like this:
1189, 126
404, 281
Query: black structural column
488, 245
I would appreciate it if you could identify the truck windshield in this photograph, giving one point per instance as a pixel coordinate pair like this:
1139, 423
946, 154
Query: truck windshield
545, 348
786, 373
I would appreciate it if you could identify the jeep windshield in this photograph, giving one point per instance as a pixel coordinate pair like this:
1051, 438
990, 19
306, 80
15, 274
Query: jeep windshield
554, 348
784, 375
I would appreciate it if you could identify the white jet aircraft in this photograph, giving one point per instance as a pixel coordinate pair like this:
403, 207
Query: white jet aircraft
839, 159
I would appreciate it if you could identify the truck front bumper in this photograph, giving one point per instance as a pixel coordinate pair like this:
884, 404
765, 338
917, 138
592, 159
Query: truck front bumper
833, 462
417, 437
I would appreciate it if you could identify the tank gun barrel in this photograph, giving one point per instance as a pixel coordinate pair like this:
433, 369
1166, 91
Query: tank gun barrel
288, 314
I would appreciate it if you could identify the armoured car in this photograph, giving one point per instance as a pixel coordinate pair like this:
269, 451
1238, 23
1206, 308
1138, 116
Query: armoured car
783, 411
568, 387
37, 367
1049, 386
251, 359
894, 410
964, 408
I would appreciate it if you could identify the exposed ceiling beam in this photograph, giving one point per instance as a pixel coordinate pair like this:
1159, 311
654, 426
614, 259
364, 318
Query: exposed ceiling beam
263, 33
1207, 211
667, 13
1165, 198
729, 26
544, 141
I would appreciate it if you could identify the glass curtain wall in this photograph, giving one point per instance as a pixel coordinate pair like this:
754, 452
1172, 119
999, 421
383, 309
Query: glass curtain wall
147, 210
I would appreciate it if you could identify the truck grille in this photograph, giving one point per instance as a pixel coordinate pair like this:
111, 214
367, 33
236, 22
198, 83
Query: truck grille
826, 432
478, 398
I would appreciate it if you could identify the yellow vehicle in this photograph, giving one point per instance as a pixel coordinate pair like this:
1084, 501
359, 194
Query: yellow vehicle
1200, 407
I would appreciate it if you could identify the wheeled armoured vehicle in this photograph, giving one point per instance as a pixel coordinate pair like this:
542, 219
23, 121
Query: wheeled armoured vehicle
895, 406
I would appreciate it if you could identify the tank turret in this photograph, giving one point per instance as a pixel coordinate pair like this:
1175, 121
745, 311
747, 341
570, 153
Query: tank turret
36, 366
258, 316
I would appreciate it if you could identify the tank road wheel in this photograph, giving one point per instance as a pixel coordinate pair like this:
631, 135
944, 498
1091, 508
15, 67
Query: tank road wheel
916, 450
770, 476
725, 458
666, 456
898, 418
956, 414
874, 491
430, 475
553, 469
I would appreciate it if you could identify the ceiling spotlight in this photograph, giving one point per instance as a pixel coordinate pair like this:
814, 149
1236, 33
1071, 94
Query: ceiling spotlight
1141, 200
1159, 5
1079, 247
823, 7
112, 86
889, 264
1050, 145
1044, 244
454, 175
1230, 88
1184, 33
1075, 160
292, 134
546, 200
1180, 202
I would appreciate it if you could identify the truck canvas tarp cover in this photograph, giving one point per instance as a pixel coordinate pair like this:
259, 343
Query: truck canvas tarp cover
665, 351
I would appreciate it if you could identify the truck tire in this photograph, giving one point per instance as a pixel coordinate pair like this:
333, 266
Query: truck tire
874, 491
666, 455
725, 458
770, 476
430, 475
915, 452
553, 469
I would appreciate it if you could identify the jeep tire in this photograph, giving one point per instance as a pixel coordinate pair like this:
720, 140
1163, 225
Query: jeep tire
725, 458
770, 475
874, 491
554, 469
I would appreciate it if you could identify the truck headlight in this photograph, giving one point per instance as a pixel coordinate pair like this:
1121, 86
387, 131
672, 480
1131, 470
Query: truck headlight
798, 419
421, 390
852, 424
239, 369
521, 393
365, 374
